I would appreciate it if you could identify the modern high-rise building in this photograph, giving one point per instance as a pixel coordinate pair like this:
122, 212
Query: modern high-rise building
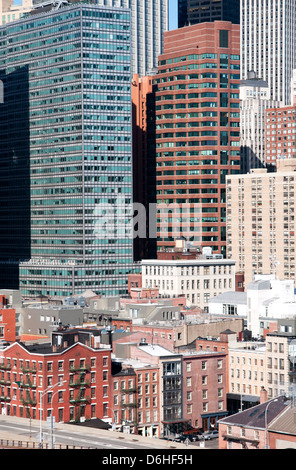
191, 12
149, 20
197, 133
268, 35
261, 221
66, 151
254, 100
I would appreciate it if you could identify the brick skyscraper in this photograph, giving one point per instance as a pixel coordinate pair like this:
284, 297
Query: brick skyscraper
197, 130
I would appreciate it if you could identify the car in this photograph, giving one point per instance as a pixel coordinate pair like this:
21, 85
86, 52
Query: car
184, 437
210, 435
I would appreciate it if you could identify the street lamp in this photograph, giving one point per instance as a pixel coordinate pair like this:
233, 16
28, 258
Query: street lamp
42, 394
266, 409
51, 414
113, 411
113, 421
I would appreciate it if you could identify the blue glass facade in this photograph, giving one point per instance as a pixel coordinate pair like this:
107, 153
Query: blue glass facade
78, 100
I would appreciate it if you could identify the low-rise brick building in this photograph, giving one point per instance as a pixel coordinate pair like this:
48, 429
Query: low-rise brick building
68, 382
204, 388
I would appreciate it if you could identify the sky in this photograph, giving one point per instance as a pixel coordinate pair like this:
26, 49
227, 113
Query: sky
173, 15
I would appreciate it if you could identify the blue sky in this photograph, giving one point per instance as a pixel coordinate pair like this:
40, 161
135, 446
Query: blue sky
173, 15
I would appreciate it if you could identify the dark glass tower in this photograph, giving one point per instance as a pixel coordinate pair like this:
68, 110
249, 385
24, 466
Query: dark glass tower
191, 12
65, 134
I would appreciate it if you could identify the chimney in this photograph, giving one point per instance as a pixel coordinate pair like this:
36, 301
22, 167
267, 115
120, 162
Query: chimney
54, 348
263, 395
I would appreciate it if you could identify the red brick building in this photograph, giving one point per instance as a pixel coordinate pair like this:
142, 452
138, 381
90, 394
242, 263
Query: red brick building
7, 320
71, 381
204, 388
280, 134
7, 324
197, 132
136, 399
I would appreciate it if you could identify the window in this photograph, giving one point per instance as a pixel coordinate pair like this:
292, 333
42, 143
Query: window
223, 38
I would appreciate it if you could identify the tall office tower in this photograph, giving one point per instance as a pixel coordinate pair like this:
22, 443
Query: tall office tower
65, 133
11, 12
150, 19
268, 35
254, 100
191, 12
197, 132
261, 221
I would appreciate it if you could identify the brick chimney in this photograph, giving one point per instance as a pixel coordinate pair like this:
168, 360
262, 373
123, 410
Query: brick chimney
263, 395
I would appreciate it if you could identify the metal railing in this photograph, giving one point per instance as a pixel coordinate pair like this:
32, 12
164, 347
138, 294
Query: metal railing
17, 444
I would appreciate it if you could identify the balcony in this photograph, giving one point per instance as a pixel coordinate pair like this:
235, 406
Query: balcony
131, 405
80, 399
29, 401
29, 370
80, 383
129, 390
5, 382
4, 398
28, 384
81, 368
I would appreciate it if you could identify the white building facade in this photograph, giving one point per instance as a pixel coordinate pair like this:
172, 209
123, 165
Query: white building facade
268, 43
197, 279
266, 301
254, 100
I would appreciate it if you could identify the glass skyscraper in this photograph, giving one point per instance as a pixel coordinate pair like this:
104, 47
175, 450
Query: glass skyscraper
65, 130
192, 12
149, 21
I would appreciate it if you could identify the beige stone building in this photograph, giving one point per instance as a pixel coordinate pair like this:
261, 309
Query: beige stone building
255, 365
197, 279
280, 350
261, 221
247, 371
10, 12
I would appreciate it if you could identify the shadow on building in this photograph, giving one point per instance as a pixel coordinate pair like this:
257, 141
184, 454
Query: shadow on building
144, 180
15, 229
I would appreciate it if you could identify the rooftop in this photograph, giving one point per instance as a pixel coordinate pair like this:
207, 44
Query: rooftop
255, 417
156, 350
195, 262
285, 423
231, 298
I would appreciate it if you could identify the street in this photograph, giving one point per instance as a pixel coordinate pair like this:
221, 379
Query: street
86, 437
